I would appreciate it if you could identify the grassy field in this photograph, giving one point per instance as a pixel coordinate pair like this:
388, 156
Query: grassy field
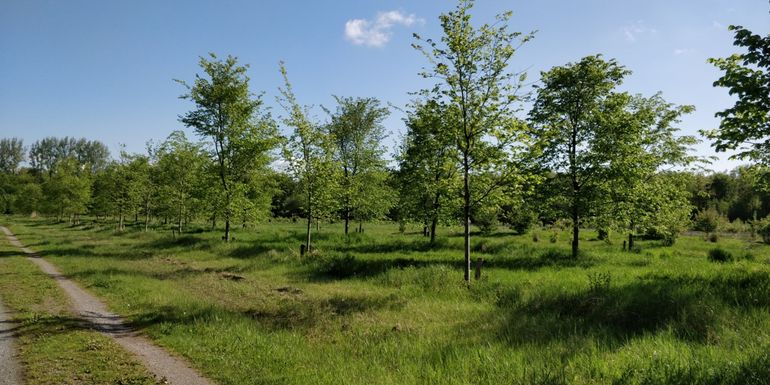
55, 348
388, 308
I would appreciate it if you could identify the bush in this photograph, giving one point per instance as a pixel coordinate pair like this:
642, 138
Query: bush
519, 219
486, 219
713, 237
762, 228
707, 220
720, 255
599, 282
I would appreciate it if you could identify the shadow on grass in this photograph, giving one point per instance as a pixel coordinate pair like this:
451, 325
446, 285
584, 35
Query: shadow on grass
690, 307
293, 311
349, 266
104, 276
37, 324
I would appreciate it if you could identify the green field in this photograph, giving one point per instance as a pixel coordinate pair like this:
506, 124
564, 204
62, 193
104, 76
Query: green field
388, 308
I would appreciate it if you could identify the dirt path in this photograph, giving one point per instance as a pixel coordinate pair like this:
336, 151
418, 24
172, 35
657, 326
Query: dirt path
9, 367
94, 311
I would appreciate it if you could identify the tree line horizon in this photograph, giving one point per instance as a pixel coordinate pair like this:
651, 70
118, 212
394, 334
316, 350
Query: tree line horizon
584, 155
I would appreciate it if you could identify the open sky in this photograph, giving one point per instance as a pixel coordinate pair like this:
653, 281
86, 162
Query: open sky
104, 69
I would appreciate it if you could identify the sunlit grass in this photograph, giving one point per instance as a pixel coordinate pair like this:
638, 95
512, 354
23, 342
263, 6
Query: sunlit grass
389, 308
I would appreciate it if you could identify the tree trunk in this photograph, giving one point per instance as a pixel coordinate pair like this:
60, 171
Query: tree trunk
433, 230
575, 233
120, 222
227, 230
347, 220
467, 217
307, 235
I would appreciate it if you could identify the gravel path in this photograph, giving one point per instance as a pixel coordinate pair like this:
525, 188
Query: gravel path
9, 367
94, 311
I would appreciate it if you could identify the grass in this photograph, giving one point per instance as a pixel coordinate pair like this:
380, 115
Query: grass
389, 308
54, 347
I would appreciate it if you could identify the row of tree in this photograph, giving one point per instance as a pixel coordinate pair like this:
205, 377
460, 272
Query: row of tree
586, 153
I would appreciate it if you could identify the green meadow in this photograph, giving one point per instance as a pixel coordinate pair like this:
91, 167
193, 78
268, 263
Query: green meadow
384, 307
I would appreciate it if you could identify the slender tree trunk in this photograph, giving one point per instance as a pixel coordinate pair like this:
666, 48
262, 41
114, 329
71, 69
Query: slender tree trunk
575, 192
575, 232
347, 220
227, 229
361, 227
307, 235
433, 230
467, 217
434, 220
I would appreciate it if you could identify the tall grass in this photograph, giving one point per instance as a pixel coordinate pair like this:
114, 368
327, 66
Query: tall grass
390, 308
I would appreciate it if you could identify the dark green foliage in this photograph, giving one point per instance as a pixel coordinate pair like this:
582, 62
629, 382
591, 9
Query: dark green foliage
745, 126
720, 255
520, 219
707, 220
763, 229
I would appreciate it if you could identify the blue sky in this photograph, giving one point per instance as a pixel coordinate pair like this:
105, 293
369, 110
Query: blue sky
103, 69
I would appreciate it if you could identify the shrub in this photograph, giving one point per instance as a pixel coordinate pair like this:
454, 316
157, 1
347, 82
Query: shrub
707, 220
713, 237
535, 237
720, 255
486, 219
762, 228
518, 219
599, 282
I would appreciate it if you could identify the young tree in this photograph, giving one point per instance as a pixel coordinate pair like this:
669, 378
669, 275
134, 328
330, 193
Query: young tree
745, 127
358, 133
228, 114
471, 66
11, 154
428, 167
310, 154
68, 190
180, 166
566, 111
605, 143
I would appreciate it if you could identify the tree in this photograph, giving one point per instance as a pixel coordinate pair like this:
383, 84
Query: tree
44, 154
639, 147
566, 112
11, 154
427, 167
310, 155
68, 190
745, 126
180, 166
607, 145
356, 127
228, 114
471, 68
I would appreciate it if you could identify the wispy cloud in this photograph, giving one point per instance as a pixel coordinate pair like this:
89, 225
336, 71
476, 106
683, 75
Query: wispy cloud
718, 25
377, 32
633, 31
683, 51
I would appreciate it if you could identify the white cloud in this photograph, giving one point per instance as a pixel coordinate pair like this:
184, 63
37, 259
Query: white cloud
718, 25
377, 32
633, 31
683, 51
